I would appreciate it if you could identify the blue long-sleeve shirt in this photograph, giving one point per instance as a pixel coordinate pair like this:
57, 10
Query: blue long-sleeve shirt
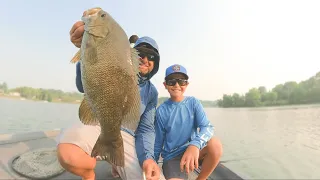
145, 133
176, 127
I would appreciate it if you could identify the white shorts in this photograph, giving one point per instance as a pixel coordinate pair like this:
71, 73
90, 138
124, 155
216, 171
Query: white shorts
85, 136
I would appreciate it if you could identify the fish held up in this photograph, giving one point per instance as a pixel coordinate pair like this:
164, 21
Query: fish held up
109, 74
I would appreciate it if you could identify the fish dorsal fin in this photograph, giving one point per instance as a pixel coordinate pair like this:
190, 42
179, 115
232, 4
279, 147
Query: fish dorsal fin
86, 115
135, 59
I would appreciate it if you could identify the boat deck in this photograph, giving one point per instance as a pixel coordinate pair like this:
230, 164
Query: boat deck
12, 145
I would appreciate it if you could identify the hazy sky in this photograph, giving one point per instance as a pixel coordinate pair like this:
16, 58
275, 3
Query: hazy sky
227, 46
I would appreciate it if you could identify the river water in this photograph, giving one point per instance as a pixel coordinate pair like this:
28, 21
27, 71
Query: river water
259, 143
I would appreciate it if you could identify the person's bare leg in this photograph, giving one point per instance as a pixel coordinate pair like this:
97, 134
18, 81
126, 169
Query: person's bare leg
76, 161
211, 156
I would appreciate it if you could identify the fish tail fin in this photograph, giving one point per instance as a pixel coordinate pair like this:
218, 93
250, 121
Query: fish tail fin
76, 57
110, 151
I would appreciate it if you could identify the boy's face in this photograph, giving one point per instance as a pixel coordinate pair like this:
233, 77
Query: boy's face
176, 84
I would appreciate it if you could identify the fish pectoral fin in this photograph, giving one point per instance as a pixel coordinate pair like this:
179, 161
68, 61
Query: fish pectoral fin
76, 57
86, 115
90, 50
135, 59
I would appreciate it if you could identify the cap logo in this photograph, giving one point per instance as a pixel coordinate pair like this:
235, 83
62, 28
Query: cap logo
176, 68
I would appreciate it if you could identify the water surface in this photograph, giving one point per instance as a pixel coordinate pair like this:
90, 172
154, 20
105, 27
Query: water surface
259, 143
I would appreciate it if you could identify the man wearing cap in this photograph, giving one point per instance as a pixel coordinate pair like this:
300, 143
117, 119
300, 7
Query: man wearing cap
76, 143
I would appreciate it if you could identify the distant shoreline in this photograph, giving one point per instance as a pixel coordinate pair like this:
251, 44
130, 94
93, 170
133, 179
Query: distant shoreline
259, 107
58, 96
270, 106
35, 100
305, 92
274, 107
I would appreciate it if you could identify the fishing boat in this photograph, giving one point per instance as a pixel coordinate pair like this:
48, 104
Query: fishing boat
32, 155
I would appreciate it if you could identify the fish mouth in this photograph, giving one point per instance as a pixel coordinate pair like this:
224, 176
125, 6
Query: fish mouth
91, 12
88, 15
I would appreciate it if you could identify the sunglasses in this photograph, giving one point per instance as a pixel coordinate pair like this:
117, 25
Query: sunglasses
149, 56
181, 82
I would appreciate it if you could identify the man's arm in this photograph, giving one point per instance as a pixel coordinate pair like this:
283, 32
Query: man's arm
160, 135
206, 128
78, 78
145, 134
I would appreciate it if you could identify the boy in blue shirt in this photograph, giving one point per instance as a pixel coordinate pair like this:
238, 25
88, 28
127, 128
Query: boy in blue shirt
181, 146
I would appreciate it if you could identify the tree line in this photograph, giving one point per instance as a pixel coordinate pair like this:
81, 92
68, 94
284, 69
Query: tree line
289, 93
53, 95
49, 95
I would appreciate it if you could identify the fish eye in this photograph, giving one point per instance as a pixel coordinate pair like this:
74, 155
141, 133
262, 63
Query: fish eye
103, 15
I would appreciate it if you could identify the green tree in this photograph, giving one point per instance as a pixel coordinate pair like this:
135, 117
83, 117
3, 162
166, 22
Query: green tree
269, 98
49, 98
291, 92
227, 101
253, 98
262, 90
297, 95
238, 100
